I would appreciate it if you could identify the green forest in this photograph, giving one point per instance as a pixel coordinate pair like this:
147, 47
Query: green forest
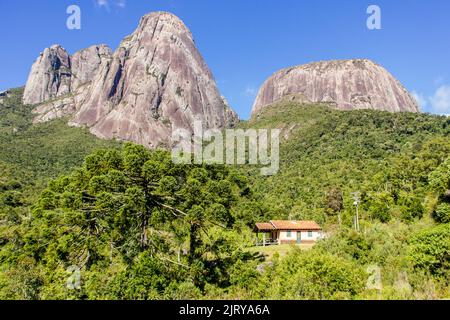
84, 218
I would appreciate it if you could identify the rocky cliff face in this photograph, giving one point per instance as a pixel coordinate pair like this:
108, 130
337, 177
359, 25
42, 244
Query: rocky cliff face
50, 76
345, 84
56, 79
86, 63
154, 83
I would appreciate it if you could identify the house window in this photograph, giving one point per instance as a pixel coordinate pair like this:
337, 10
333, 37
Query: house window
310, 234
289, 234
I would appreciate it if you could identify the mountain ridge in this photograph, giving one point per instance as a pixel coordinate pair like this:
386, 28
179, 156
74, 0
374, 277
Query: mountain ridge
346, 84
154, 83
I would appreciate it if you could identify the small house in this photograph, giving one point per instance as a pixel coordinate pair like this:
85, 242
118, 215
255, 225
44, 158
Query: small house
278, 232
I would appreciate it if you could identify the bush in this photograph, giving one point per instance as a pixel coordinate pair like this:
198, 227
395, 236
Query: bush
315, 275
442, 213
430, 250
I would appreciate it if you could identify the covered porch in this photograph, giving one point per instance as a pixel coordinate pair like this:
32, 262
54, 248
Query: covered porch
269, 235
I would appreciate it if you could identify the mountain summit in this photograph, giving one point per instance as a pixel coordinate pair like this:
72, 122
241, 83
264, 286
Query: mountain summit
154, 83
345, 84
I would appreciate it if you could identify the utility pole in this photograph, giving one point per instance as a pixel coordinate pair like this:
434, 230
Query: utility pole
356, 204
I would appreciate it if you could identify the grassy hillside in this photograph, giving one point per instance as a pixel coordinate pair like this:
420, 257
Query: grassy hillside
138, 226
47, 149
31, 154
400, 166
378, 154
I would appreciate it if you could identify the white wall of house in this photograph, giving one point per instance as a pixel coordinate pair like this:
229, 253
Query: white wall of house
310, 236
284, 236
306, 236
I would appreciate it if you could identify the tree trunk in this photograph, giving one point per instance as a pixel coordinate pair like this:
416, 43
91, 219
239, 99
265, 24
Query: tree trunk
144, 238
193, 242
339, 220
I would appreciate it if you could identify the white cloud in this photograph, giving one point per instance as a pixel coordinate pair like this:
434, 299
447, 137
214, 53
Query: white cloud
438, 103
107, 3
121, 3
420, 99
250, 91
102, 3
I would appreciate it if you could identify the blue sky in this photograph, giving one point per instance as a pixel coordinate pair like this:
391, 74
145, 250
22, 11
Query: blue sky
245, 41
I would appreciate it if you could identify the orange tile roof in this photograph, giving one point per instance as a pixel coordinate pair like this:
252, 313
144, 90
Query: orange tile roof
265, 227
295, 225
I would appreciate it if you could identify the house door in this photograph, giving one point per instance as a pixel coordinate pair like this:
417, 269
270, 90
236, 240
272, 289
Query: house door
299, 237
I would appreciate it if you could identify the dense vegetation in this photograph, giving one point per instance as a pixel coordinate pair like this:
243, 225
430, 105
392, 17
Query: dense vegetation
385, 157
32, 154
129, 224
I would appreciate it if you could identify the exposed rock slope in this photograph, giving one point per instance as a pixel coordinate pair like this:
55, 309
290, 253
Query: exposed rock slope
345, 84
50, 76
86, 63
154, 83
